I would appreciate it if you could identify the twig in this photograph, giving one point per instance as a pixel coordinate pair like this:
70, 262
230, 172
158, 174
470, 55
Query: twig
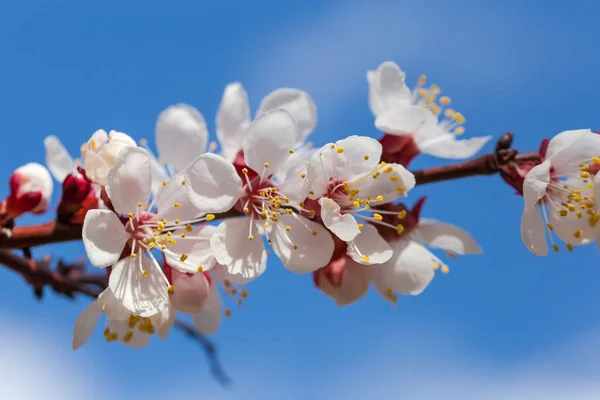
497, 162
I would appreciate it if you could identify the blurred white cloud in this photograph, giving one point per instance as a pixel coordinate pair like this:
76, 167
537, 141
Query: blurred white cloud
415, 367
328, 55
34, 366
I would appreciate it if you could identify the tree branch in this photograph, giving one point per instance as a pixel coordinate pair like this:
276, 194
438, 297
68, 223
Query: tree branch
499, 161
68, 280
503, 160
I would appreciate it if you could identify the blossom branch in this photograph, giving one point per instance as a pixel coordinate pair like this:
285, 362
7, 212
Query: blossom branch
22, 237
502, 161
69, 279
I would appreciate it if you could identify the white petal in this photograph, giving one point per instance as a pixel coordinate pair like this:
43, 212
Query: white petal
191, 292
447, 146
296, 102
533, 231
220, 273
85, 324
196, 245
96, 169
58, 159
233, 118
138, 339
175, 192
393, 182
181, 135
208, 320
322, 166
565, 228
110, 151
269, 139
535, 183
447, 236
233, 249
98, 139
313, 250
112, 307
213, 184
387, 88
104, 237
408, 272
130, 180
405, 120
568, 149
343, 226
369, 247
121, 138
142, 296
360, 154
164, 328
159, 174
354, 284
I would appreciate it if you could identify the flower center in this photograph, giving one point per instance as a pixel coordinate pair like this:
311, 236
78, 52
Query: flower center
262, 201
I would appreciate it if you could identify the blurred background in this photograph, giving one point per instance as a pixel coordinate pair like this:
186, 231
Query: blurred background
503, 325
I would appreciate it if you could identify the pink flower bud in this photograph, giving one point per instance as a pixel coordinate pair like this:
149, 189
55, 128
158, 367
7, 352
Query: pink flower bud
30, 191
343, 279
190, 290
78, 197
399, 149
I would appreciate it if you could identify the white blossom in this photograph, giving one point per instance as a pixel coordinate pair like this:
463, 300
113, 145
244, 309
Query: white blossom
350, 183
301, 244
420, 112
100, 153
164, 224
559, 194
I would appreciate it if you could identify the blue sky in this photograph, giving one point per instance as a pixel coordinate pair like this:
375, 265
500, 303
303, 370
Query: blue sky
503, 324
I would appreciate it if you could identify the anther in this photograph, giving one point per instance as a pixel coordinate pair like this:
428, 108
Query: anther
266, 165
200, 269
377, 217
250, 237
188, 228
183, 257
445, 269
569, 246
365, 257
144, 273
